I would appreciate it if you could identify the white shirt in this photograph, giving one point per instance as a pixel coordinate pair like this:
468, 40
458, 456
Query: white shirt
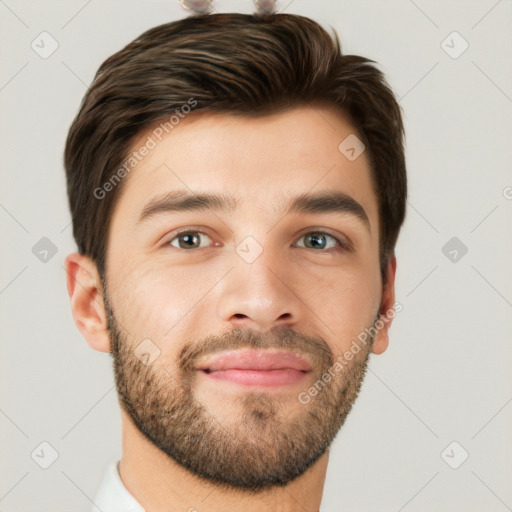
113, 496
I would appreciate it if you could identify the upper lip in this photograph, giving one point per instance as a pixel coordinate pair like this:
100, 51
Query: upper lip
255, 360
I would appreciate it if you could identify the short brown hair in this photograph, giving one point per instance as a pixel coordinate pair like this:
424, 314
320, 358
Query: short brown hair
228, 63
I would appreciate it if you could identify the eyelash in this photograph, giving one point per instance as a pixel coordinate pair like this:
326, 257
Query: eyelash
341, 245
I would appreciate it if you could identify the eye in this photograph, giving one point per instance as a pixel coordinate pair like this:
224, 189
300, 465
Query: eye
191, 239
319, 240
188, 240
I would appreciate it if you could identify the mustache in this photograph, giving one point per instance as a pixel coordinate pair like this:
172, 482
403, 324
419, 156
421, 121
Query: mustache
314, 348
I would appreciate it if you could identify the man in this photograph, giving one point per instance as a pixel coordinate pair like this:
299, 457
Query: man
237, 187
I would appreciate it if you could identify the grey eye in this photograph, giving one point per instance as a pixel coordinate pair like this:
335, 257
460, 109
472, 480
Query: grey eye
318, 240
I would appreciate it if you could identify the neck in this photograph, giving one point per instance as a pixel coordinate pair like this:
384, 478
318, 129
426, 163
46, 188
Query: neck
158, 483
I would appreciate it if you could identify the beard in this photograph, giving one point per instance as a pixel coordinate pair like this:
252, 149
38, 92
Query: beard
273, 439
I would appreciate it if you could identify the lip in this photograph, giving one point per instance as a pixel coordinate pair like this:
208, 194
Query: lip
257, 367
256, 360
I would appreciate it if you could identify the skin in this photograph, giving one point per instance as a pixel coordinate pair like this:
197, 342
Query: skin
179, 298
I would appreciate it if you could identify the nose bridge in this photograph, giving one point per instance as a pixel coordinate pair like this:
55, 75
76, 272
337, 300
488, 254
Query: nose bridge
257, 292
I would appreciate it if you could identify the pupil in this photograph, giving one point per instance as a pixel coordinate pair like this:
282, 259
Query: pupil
316, 238
189, 239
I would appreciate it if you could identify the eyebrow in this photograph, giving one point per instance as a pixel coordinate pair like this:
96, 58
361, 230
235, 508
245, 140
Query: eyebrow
185, 201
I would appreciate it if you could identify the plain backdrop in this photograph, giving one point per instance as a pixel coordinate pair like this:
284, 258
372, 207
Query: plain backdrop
431, 428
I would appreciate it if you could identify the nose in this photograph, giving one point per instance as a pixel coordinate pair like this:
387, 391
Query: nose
260, 295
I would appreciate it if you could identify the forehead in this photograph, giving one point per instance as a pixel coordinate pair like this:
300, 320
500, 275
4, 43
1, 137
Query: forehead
260, 160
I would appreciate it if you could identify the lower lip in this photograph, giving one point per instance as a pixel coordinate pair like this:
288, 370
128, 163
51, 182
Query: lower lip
259, 377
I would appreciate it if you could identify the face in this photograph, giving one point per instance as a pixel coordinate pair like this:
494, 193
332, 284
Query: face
231, 316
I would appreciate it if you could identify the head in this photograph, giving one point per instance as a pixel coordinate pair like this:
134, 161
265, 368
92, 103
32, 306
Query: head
236, 182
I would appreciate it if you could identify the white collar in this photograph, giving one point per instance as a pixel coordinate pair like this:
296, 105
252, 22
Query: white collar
113, 496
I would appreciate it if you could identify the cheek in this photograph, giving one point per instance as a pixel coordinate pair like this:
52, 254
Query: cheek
156, 302
347, 304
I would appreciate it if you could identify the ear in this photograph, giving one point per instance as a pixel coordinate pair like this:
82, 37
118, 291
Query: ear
381, 341
86, 295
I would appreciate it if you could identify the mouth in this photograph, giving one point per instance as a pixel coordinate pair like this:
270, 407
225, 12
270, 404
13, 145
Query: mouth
256, 368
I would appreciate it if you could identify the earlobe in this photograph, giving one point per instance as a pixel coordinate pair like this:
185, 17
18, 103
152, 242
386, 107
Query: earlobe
86, 296
381, 341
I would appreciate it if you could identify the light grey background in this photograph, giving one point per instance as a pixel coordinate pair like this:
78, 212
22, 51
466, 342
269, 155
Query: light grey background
446, 375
